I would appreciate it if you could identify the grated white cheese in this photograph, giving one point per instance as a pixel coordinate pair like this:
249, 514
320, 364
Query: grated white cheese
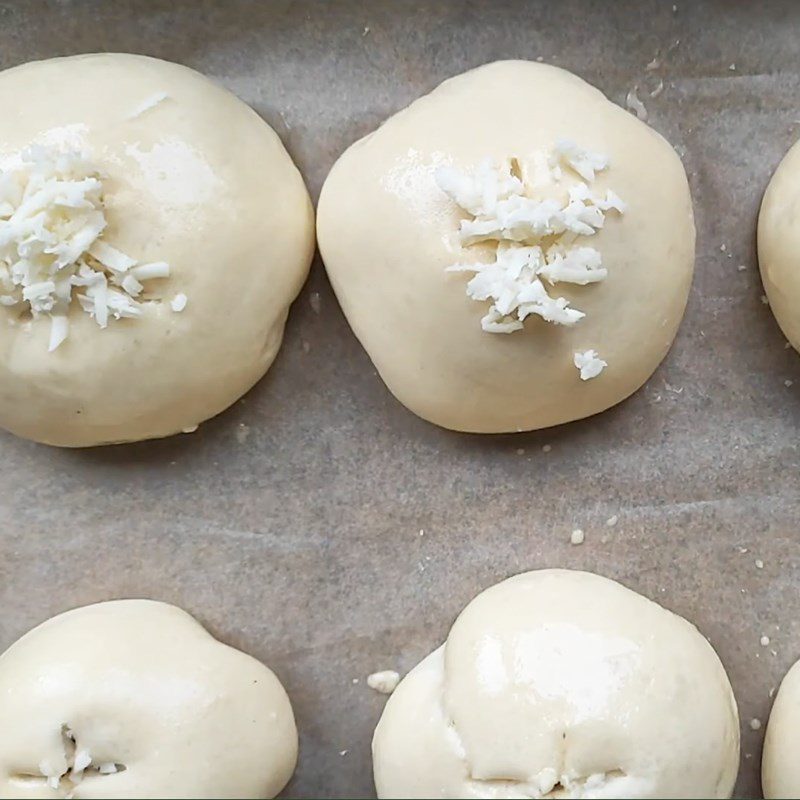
80, 762
478, 193
579, 265
178, 303
75, 762
52, 219
577, 537
384, 682
535, 238
584, 162
589, 364
511, 283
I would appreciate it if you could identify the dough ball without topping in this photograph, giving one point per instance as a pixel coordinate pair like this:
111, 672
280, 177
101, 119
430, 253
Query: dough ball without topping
780, 765
557, 683
388, 232
192, 177
779, 245
140, 701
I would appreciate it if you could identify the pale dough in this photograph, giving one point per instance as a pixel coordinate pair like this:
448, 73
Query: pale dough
780, 765
557, 683
197, 180
779, 245
387, 233
139, 685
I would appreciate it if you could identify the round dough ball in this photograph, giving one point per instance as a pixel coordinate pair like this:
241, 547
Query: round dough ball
561, 684
191, 176
778, 243
133, 698
780, 765
388, 232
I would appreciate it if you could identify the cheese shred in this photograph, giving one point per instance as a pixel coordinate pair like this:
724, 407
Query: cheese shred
535, 239
52, 220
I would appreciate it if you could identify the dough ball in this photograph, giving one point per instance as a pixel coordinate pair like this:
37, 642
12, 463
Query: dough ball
561, 684
133, 698
778, 243
780, 767
507, 168
116, 169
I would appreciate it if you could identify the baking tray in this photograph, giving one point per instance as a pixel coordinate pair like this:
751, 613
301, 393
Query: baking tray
291, 525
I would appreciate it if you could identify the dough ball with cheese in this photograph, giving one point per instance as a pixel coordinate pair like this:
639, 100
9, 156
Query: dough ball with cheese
779, 245
557, 683
153, 233
513, 250
133, 698
780, 765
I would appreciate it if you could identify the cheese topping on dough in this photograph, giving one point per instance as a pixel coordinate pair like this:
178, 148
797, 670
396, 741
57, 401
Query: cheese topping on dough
590, 365
65, 775
535, 237
51, 222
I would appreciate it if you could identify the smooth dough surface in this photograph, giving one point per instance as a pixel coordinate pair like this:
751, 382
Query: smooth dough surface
199, 181
387, 233
780, 764
141, 684
779, 245
558, 683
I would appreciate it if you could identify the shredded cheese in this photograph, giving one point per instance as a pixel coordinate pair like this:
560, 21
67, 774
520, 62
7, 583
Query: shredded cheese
516, 292
479, 193
534, 238
72, 767
52, 220
584, 162
178, 303
590, 366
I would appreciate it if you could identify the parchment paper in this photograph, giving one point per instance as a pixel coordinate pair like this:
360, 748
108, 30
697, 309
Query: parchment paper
291, 525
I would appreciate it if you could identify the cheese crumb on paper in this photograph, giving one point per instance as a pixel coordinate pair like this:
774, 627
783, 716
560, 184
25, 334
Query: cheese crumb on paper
384, 682
589, 364
577, 537
635, 105
52, 220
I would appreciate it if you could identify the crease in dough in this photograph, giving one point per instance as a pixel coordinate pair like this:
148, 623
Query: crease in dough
561, 684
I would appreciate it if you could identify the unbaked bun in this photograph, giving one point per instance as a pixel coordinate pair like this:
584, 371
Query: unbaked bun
779, 245
132, 699
576, 215
561, 684
780, 765
125, 169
